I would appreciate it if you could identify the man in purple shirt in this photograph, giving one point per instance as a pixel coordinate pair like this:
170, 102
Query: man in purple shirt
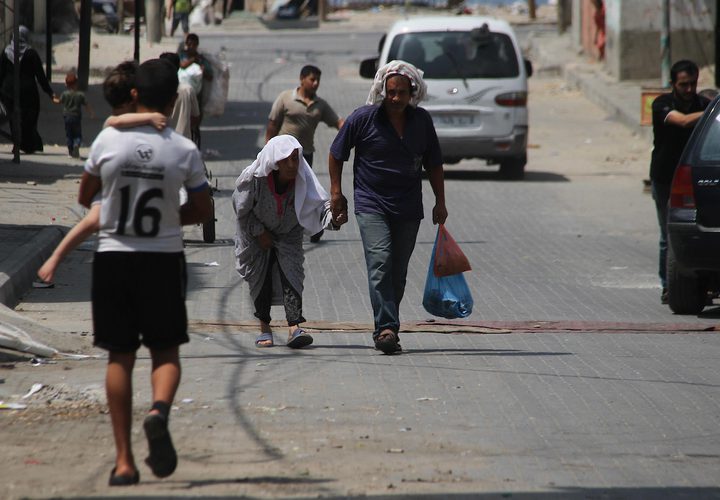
393, 141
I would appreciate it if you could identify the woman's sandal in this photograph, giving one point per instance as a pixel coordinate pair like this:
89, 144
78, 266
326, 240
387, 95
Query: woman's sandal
388, 342
123, 480
264, 337
299, 338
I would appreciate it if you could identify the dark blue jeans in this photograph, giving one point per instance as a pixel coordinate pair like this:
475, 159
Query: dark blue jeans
661, 195
73, 132
388, 244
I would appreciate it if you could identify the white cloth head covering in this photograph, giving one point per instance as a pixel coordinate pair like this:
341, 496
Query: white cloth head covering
398, 67
310, 196
23, 44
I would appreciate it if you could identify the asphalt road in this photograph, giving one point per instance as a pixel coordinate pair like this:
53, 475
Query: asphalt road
573, 409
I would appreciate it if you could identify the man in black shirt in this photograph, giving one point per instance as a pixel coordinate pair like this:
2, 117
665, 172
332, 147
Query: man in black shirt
674, 115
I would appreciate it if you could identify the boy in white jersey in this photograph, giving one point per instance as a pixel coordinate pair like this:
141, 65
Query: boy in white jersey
116, 89
139, 275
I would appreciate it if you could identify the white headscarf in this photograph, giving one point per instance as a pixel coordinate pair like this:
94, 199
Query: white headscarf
23, 45
310, 196
398, 67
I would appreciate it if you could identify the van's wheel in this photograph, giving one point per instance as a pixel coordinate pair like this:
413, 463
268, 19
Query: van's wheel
513, 168
208, 228
686, 295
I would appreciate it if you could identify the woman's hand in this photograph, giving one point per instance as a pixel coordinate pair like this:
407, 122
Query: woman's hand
265, 240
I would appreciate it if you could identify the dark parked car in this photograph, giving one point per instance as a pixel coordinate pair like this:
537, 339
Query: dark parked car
694, 219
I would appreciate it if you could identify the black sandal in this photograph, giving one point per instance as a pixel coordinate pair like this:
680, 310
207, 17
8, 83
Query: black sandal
123, 480
388, 342
163, 459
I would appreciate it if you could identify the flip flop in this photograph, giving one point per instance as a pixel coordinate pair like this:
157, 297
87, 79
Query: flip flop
163, 459
123, 480
299, 338
264, 337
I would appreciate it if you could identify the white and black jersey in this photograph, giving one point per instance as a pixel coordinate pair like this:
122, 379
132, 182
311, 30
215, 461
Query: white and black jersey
142, 171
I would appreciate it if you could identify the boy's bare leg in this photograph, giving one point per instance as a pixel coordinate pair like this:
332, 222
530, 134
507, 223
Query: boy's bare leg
165, 377
118, 387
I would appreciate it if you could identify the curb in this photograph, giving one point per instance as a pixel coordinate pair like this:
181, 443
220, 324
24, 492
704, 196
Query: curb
593, 85
554, 56
23, 263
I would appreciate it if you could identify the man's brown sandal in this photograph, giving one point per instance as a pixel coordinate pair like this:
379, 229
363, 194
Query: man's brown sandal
388, 342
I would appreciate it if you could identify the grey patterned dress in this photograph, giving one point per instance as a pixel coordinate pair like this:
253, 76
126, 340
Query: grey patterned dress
257, 208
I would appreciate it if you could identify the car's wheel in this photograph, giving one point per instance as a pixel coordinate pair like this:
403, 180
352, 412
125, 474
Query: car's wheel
208, 228
686, 295
513, 168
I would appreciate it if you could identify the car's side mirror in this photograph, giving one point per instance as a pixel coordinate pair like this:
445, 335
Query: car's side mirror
528, 67
368, 67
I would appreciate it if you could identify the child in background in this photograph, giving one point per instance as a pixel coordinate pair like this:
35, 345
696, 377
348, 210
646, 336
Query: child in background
72, 101
117, 89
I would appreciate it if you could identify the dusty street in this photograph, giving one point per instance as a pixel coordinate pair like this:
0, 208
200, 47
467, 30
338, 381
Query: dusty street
464, 411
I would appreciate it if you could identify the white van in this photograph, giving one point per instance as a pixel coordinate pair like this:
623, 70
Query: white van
477, 85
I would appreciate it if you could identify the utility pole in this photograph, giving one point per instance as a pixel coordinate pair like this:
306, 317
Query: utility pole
17, 133
48, 40
121, 17
136, 32
564, 15
39, 13
531, 9
665, 46
153, 19
84, 46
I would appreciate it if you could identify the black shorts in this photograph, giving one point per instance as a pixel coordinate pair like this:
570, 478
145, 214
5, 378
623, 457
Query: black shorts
139, 297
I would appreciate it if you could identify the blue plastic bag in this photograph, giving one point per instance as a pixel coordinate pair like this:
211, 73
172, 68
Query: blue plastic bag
448, 296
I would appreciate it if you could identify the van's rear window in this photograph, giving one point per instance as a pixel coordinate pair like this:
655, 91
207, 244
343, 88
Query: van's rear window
455, 54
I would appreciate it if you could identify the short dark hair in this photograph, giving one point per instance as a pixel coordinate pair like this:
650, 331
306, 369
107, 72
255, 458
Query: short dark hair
193, 36
309, 69
172, 58
683, 66
156, 83
117, 85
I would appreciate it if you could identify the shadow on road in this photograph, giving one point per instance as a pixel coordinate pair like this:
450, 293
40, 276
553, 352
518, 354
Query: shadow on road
489, 175
38, 169
239, 132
